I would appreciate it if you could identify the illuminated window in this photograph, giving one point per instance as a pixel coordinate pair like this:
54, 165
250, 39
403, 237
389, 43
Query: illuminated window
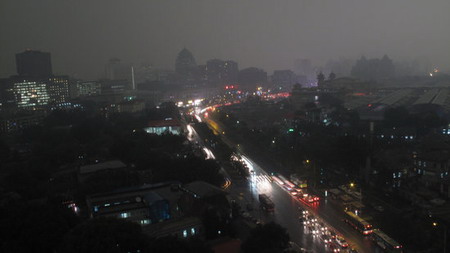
185, 233
192, 231
145, 222
124, 215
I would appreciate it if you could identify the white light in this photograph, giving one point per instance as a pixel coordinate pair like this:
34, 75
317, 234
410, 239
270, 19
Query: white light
197, 102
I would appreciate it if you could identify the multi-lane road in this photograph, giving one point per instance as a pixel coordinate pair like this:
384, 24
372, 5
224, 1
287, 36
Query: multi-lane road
288, 210
287, 207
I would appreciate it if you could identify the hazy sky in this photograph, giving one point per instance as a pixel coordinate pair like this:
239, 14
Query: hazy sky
82, 35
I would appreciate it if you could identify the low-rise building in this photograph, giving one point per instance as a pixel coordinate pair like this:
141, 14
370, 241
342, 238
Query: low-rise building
10, 122
168, 125
86, 171
162, 209
131, 106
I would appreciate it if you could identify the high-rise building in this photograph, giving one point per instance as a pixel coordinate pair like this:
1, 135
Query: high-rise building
284, 78
215, 69
185, 66
58, 89
252, 76
30, 94
115, 69
34, 64
203, 72
304, 67
222, 72
230, 72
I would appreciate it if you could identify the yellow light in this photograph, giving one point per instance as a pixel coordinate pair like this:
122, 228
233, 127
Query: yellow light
352, 184
307, 161
435, 224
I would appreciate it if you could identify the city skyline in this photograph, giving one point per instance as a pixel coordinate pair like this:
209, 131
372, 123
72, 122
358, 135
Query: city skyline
323, 30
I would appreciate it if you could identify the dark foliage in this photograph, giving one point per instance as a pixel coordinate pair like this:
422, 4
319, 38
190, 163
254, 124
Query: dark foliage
270, 237
105, 235
37, 227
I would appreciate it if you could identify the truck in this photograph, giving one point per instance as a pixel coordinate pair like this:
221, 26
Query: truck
266, 203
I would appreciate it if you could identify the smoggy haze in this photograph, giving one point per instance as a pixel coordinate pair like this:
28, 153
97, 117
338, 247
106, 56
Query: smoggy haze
82, 35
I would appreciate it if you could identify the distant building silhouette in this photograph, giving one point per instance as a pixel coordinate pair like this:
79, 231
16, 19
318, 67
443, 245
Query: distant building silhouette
116, 70
252, 76
373, 69
35, 64
185, 66
284, 78
230, 72
304, 67
220, 72
214, 70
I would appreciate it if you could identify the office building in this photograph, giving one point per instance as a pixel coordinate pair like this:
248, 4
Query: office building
34, 64
214, 69
30, 94
88, 88
115, 69
58, 89
230, 72
221, 72
252, 76
284, 78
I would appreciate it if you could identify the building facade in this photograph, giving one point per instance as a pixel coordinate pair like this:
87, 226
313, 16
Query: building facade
58, 89
34, 64
89, 88
30, 94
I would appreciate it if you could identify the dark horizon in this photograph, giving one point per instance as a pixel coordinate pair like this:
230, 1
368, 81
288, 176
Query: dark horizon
272, 37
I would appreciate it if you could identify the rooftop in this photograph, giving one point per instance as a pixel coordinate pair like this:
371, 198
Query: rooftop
113, 164
164, 123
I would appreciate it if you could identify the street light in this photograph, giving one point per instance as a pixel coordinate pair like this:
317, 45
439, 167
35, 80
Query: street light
435, 224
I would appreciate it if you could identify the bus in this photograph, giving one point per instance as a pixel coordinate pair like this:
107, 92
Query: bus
358, 223
385, 242
265, 203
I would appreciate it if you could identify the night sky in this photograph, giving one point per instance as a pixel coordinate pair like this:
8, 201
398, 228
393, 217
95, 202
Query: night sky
83, 34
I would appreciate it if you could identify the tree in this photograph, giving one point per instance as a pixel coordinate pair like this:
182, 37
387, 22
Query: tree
331, 76
396, 117
270, 237
175, 245
105, 235
34, 227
